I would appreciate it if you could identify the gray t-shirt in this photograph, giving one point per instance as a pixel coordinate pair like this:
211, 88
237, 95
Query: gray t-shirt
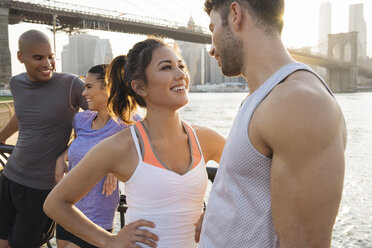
44, 111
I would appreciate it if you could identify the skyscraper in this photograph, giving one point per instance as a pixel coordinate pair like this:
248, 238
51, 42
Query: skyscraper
194, 57
83, 52
325, 26
358, 24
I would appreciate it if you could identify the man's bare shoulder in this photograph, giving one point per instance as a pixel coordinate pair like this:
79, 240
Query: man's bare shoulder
300, 106
301, 94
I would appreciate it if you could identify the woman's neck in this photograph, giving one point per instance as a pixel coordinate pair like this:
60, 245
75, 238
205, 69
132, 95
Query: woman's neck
163, 125
101, 119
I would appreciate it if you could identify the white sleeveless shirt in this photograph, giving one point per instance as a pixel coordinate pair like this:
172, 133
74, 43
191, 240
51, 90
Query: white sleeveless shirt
173, 202
239, 207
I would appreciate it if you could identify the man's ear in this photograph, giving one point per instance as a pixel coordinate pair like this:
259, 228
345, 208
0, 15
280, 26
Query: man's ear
138, 87
235, 16
20, 56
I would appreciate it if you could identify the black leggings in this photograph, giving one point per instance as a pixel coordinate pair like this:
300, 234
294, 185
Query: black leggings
63, 234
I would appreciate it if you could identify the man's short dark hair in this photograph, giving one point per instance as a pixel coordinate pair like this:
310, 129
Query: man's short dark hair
267, 13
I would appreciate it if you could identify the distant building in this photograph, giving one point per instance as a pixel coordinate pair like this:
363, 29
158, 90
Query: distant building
194, 57
191, 23
83, 52
65, 58
324, 26
192, 26
103, 53
358, 24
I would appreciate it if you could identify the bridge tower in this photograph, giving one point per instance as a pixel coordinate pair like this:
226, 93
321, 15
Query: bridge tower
343, 47
5, 62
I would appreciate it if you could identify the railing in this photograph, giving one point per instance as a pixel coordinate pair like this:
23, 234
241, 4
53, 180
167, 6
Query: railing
5, 151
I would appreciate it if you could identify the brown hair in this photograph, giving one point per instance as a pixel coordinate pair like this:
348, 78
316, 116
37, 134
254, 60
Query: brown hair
266, 13
100, 72
123, 100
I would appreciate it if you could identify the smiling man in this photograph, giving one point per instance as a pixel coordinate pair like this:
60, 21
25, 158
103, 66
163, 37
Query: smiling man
45, 103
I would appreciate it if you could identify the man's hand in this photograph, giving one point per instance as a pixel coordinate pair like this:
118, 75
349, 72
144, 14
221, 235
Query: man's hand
132, 234
109, 185
198, 227
61, 168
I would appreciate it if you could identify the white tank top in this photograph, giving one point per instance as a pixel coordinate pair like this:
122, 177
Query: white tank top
173, 202
239, 208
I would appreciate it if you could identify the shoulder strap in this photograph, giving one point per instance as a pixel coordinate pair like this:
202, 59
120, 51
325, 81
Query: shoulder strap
148, 153
135, 140
194, 144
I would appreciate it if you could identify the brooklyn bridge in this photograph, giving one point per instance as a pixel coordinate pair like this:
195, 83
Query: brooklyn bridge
341, 61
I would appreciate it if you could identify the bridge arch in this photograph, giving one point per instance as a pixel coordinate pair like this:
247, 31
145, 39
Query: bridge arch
336, 51
343, 47
342, 42
347, 52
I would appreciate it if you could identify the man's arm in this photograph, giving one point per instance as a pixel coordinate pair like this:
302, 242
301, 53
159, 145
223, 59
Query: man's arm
77, 91
10, 128
306, 134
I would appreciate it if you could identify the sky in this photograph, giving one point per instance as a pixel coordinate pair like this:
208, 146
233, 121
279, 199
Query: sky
300, 22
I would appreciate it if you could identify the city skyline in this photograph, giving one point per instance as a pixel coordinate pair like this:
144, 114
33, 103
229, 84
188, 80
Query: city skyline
300, 28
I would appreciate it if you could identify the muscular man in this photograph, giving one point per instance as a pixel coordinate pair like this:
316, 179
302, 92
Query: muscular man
45, 103
280, 178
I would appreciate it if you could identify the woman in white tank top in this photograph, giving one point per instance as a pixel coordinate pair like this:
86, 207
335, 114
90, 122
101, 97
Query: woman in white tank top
161, 159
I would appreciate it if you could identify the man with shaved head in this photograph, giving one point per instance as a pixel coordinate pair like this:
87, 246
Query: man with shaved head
45, 103
29, 44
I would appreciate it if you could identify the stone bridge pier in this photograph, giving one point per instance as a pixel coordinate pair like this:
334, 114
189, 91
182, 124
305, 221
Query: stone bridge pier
5, 62
343, 46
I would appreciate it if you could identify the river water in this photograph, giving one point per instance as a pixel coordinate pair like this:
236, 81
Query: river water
353, 226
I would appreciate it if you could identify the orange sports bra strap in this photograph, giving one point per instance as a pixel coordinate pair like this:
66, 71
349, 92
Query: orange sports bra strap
196, 151
148, 154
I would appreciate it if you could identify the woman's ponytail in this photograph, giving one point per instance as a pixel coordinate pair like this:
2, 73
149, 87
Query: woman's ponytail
120, 102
